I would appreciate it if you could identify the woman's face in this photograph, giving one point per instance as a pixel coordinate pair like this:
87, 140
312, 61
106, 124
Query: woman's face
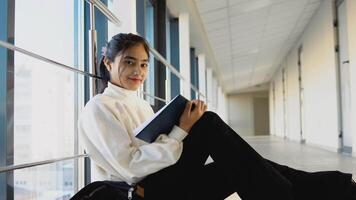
129, 69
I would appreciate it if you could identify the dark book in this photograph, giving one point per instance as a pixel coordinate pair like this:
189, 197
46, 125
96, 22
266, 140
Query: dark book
163, 120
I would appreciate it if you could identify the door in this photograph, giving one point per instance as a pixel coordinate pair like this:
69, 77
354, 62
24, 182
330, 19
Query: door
344, 69
261, 115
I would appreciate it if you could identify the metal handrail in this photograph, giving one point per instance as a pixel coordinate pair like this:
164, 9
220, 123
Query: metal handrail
67, 67
173, 69
44, 162
50, 61
47, 60
103, 9
154, 97
112, 17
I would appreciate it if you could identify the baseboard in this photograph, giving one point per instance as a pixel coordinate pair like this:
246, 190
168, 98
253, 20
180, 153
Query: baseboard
346, 150
328, 148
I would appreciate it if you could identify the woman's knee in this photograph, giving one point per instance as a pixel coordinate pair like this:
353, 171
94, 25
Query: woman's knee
205, 120
211, 115
209, 120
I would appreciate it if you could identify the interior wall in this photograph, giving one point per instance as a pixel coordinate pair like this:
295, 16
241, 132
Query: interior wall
279, 109
241, 112
293, 102
319, 76
320, 80
351, 28
271, 109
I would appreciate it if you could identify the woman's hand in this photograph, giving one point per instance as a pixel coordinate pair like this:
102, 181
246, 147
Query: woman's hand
189, 117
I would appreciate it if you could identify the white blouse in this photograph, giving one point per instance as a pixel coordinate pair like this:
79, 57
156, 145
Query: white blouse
106, 128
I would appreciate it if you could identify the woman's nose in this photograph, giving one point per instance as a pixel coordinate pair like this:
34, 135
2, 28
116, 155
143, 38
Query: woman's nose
137, 69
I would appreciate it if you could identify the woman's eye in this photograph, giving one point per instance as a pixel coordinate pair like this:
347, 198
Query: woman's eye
129, 62
144, 65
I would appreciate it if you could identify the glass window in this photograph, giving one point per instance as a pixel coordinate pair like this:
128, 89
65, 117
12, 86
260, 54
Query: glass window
44, 98
193, 72
206, 86
174, 55
196, 73
168, 57
101, 28
52, 181
145, 25
150, 35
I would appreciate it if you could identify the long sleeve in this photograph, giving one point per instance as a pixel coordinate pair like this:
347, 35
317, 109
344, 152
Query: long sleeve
106, 139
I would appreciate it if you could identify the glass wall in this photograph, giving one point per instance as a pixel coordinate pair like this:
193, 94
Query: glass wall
145, 25
53, 181
150, 37
174, 54
194, 72
44, 99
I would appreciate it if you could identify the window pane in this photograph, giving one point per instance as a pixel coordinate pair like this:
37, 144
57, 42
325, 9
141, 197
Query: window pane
44, 100
149, 83
193, 72
43, 111
168, 57
53, 181
174, 45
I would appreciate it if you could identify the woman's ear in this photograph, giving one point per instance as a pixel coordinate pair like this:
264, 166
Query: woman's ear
108, 64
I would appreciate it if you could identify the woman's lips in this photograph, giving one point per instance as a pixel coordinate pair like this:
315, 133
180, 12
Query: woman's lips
135, 79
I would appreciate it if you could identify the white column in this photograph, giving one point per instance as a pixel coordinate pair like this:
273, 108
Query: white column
209, 78
215, 94
201, 74
125, 11
221, 106
184, 54
271, 108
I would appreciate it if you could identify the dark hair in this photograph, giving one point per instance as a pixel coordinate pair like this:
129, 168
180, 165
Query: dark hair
117, 45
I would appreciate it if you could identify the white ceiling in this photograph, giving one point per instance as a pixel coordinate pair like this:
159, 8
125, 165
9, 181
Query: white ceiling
250, 37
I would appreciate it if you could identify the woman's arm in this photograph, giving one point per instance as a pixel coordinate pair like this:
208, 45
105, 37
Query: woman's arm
110, 146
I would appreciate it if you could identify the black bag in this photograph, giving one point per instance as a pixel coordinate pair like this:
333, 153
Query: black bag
108, 190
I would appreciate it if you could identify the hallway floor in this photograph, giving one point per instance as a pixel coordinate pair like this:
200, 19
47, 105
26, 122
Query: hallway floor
300, 156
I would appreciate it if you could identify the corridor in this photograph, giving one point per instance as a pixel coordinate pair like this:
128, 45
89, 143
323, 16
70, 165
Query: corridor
300, 156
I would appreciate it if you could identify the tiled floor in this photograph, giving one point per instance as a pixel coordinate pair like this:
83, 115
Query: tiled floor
300, 156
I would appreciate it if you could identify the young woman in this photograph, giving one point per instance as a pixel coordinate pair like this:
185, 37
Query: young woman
173, 166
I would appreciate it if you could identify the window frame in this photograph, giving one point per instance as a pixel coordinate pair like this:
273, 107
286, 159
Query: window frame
160, 44
174, 52
142, 21
7, 30
194, 73
159, 35
101, 27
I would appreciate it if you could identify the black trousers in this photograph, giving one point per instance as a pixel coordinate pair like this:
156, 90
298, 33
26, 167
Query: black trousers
237, 167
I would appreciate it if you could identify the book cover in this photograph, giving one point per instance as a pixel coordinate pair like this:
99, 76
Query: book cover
162, 121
